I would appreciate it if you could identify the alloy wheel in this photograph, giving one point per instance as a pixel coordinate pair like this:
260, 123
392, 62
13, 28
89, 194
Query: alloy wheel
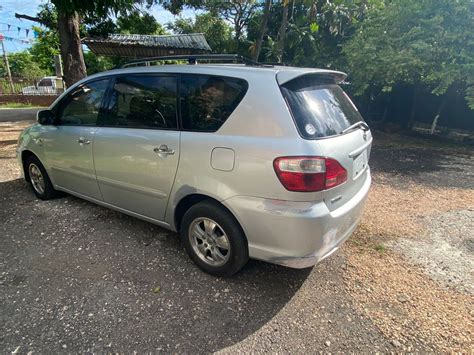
209, 241
37, 179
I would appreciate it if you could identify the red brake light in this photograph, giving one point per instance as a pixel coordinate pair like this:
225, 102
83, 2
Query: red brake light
309, 174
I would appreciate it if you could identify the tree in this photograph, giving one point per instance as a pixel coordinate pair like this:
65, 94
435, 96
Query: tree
138, 22
218, 33
427, 44
45, 48
69, 13
22, 65
262, 29
282, 31
97, 63
236, 12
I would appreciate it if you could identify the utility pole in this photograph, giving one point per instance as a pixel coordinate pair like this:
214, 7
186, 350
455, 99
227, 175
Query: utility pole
5, 57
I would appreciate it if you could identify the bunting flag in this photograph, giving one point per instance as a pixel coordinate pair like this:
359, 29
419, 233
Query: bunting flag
19, 29
11, 39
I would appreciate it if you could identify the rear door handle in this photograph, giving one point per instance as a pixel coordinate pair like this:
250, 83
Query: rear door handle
163, 149
83, 140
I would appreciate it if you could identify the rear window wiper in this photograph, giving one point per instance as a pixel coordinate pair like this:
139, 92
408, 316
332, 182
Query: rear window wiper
360, 124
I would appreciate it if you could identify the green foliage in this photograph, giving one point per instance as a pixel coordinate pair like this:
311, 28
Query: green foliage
428, 43
44, 49
138, 22
89, 8
97, 63
22, 65
217, 32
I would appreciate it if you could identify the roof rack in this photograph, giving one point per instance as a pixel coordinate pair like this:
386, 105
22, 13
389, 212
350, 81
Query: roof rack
193, 59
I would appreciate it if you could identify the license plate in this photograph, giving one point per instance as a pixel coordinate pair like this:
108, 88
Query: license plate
360, 163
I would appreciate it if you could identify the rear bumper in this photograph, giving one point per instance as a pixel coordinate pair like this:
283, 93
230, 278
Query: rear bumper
296, 234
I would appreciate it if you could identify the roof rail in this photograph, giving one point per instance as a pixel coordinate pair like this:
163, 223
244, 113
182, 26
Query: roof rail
194, 58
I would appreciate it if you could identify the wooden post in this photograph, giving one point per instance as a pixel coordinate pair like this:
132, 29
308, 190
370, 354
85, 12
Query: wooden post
9, 74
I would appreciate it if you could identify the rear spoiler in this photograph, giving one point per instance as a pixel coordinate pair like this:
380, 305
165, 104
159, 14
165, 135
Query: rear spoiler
284, 76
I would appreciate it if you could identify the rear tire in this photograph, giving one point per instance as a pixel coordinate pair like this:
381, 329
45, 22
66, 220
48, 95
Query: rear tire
39, 179
214, 239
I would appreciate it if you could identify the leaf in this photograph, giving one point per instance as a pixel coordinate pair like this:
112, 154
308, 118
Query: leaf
156, 289
314, 27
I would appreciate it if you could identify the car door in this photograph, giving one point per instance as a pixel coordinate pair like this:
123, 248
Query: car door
67, 144
136, 148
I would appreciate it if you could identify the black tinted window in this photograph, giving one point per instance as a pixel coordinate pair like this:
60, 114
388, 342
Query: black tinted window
45, 82
82, 105
143, 102
320, 108
207, 101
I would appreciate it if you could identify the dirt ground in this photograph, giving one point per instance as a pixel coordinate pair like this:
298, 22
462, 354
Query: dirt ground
78, 277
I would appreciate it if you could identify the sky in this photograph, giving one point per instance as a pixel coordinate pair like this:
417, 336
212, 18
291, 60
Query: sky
30, 7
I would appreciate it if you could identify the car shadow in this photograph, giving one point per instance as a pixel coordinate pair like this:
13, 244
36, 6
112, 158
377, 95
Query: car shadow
92, 279
427, 166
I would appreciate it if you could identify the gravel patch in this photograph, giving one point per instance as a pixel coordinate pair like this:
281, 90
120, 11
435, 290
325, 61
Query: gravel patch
408, 307
396, 211
320, 318
446, 252
9, 132
76, 277
410, 261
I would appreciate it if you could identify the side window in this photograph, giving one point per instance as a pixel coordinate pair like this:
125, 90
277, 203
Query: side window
207, 101
45, 82
143, 101
81, 107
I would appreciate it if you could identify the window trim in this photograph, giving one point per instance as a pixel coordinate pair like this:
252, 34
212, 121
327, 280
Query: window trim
106, 109
57, 106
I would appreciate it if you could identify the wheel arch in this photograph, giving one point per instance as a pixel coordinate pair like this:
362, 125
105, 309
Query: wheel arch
25, 154
192, 199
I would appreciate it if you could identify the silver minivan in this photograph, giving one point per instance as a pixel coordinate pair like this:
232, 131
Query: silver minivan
242, 160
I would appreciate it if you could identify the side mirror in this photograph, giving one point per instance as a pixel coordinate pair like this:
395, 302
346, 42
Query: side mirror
45, 117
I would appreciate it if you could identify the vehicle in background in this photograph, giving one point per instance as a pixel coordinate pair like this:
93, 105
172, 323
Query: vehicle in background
46, 86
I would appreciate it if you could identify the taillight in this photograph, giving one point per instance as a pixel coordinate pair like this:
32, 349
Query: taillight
309, 174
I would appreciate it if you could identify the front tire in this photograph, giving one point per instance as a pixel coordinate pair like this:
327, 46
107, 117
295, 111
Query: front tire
214, 239
39, 179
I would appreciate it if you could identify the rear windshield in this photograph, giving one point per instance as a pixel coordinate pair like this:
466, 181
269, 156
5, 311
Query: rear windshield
319, 107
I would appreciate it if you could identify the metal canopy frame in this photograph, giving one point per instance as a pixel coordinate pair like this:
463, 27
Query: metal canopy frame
193, 59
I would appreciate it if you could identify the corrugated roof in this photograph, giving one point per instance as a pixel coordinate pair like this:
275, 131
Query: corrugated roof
138, 46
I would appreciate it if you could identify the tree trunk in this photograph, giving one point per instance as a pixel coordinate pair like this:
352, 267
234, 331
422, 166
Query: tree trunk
71, 48
262, 30
441, 107
282, 31
414, 105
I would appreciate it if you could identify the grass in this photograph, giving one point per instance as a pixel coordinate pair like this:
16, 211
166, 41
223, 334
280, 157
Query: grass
380, 248
17, 105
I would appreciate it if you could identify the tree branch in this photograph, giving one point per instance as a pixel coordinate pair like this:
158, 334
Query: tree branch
34, 19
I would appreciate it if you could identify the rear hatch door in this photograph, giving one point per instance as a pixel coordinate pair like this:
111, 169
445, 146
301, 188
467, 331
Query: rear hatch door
332, 127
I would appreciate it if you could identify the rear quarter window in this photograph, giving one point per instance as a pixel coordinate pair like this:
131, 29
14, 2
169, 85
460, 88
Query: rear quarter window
207, 101
320, 108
